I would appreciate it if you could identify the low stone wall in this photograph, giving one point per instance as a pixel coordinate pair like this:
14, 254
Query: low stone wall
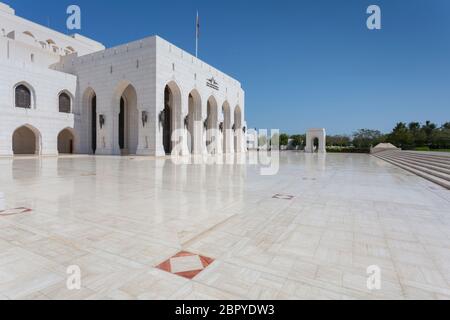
378, 150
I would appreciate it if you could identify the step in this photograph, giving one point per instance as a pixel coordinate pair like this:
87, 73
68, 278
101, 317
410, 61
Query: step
444, 160
425, 164
420, 168
436, 162
431, 153
434, 179
444, 156
424, 154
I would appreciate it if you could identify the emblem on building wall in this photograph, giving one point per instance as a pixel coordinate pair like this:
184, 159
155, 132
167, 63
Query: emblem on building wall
212, 83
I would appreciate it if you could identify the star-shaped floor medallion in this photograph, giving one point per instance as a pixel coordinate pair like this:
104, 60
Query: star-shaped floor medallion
185, 264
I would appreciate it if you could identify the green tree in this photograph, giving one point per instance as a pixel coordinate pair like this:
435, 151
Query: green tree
418, 135
441, 137
446, 126
414, 126
401, 136
284, 139
338, 141
429, 129
298, 140
365, 138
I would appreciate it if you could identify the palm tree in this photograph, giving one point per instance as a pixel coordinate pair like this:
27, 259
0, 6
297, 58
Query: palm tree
429, 129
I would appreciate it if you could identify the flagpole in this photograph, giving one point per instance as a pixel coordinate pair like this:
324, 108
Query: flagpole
197, 25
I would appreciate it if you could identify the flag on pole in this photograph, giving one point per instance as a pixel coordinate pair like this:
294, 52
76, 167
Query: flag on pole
197, 34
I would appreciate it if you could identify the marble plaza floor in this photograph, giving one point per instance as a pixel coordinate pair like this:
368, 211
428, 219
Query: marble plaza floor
144, 228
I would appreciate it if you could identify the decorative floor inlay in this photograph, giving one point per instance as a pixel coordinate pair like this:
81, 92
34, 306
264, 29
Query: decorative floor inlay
283, 196
15, 211
185, 264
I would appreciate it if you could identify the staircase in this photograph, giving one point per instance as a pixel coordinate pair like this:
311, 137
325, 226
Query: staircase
431, 166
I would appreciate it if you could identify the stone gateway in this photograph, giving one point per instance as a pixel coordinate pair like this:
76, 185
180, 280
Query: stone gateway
316, 141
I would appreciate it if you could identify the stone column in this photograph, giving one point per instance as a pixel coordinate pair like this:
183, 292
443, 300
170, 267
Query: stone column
157, 126
107, 142
204, 115
47, 143
143, 148
6, 145
230, 134
182, 138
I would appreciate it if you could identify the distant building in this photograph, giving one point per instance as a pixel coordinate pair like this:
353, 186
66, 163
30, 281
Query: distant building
252, 139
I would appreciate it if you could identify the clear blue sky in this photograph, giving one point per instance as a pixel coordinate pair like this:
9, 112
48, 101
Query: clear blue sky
310, 63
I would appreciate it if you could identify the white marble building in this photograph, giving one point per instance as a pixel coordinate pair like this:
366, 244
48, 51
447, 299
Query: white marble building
68, 94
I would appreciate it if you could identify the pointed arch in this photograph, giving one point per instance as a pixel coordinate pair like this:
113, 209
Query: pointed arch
65, 101
125, 101
195, 125
66, 141
212, 122
24, 95
172, 114
26, 140
89, 107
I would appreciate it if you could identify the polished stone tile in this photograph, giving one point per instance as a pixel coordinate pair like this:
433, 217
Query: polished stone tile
117, 218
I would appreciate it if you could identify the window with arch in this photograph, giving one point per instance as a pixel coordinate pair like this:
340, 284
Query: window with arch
23, 97
64, 103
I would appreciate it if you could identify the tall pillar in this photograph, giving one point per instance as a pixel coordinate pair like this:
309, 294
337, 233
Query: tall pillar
182, 137
144, 132
156, 125
6, 144
219, 140
106, 139
48, 144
